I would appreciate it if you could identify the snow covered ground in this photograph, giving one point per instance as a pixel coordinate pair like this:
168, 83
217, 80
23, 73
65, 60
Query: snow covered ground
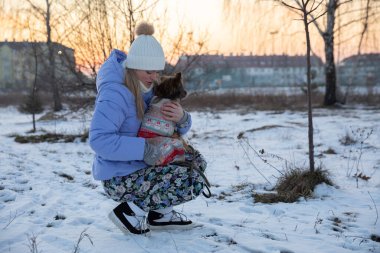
47, 193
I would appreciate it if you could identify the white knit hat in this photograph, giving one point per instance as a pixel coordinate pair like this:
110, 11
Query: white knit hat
146, 52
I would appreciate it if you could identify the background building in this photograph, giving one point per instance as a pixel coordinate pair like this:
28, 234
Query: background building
22, 63
360, 70
218, 71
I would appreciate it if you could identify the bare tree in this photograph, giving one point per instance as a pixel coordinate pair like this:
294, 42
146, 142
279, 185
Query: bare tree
185, 43
365, 20
32, 104
34, 52
365, 25
94, 27
131, 13
306, 8
45, 14
328, 32
328, 38
326, 28
99, 26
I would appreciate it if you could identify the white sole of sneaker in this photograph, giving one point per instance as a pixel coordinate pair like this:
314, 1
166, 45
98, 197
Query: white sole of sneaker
117, 222
175, 227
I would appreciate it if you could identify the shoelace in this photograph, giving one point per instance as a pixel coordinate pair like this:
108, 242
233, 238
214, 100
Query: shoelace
178, 215
142, 222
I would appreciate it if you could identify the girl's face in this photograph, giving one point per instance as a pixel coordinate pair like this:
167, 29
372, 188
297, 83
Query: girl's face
147, 77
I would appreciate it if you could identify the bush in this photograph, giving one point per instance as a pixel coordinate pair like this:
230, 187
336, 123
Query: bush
294, 184
51, 138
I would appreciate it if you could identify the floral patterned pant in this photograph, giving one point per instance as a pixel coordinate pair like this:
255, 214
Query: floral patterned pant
158, 187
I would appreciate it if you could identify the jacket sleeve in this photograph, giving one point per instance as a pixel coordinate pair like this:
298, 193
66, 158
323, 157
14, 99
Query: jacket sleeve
104, 136
184, 125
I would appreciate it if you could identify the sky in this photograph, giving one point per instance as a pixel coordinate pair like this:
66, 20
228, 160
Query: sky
47, 192
262, 28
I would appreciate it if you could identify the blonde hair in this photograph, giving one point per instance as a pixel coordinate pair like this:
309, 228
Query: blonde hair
133, 84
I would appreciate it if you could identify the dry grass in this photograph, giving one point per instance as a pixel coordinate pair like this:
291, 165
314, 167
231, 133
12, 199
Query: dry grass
203, 101
371, 99
18, 98
270, 102
51, 138
294, 184
200, 101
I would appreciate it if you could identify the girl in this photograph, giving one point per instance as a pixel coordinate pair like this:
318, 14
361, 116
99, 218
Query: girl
127, 164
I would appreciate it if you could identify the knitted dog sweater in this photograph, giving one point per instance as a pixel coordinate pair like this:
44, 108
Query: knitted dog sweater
154, 125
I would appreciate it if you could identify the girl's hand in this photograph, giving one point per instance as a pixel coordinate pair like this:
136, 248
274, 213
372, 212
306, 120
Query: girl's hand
172, 111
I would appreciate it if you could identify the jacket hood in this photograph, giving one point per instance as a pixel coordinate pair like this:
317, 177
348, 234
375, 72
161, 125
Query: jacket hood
112, 70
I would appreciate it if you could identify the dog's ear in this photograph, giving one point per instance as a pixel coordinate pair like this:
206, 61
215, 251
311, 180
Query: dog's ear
178, 76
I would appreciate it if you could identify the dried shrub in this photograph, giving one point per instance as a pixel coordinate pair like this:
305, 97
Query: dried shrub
330, 151
375, 238
348, 139
66, 176
294, 184
32, 243
362, 176
51, 138
59, 217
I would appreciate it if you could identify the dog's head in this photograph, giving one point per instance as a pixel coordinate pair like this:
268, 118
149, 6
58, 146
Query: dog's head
170, 87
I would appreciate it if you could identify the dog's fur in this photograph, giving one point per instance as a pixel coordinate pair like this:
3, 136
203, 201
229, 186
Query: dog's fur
154, 124
170, 87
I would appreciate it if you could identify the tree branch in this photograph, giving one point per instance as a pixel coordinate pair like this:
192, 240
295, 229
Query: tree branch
291, 7
314, 19
354, 21
316, 24
365, 26
342, 3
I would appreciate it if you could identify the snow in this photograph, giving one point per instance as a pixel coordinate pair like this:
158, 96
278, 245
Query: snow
39, 201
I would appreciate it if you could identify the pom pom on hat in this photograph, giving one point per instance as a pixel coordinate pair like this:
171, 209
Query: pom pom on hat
144, 28
146, 52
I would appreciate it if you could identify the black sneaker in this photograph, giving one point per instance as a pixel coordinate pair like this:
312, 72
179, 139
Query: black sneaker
172, 219
127, 221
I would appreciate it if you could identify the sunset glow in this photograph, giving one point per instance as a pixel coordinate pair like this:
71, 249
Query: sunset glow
262, 28
266, 28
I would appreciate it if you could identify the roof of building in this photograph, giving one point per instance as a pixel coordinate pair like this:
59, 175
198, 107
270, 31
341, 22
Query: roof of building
248, 61
362, 58
26, 44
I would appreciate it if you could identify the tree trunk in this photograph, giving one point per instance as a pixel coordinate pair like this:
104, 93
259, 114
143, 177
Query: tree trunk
330, 71
51, 55
52, 79
34, 85
34, 122
309, 101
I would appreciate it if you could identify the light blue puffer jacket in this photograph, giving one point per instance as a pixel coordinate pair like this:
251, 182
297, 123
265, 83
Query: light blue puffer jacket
114, 126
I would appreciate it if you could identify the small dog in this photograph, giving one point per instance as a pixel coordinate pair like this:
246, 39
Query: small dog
154, 124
